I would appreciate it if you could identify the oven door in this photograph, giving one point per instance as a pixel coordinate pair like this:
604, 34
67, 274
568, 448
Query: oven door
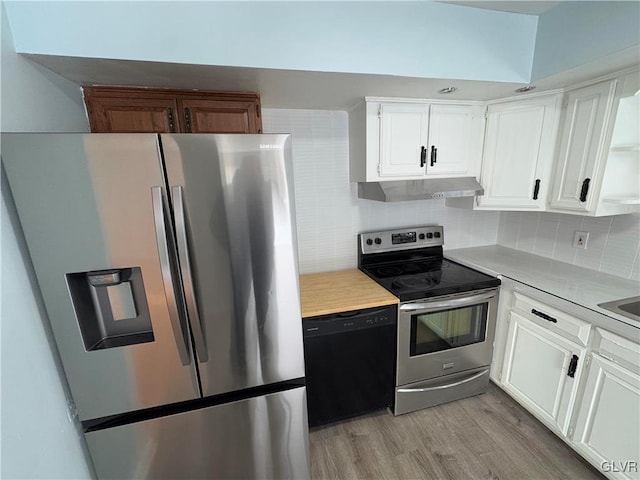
445, 335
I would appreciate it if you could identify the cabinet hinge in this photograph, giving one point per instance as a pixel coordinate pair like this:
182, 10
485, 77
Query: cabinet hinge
587, 361
570, 432
187, 119
565, 101
379, 111
486, 113
258, 110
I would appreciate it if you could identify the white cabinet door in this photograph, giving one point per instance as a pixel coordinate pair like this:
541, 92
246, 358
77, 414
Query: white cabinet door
404, 130
607, 430
519, 145
453, 140
536, 371
583, 147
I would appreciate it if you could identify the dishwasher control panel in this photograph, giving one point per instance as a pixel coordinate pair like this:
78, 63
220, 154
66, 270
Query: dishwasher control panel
349, 321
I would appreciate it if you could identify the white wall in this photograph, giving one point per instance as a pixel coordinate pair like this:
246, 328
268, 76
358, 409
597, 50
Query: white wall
329, 214
613, 246
38, 439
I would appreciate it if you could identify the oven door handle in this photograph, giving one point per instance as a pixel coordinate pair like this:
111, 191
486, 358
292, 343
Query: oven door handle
444, 385
453, 303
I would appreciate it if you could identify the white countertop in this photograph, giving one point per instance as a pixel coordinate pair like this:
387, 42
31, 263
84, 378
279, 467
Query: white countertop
581, 286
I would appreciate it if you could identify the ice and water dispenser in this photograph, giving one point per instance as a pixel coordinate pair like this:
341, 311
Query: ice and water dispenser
111, 307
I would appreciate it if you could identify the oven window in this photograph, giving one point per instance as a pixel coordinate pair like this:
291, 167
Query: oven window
437, 331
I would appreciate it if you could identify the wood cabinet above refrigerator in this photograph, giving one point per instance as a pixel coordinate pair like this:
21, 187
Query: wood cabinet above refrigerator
160, 110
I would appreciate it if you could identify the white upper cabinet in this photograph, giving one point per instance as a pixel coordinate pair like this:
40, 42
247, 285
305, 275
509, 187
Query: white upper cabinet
518, 154
397, 139
596, 169
455, 140
404, 130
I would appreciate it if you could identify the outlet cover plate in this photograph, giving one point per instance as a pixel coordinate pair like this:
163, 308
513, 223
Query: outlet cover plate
580, 240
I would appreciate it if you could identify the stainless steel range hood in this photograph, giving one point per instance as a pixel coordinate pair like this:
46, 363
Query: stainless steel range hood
399, 191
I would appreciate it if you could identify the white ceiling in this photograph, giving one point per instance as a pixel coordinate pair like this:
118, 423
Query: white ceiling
513, 6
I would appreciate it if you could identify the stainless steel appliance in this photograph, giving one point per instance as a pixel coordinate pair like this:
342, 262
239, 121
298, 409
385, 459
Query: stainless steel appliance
447, 316
168, 268
349, 360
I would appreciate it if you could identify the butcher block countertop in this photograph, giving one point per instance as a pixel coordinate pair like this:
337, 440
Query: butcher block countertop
341, 291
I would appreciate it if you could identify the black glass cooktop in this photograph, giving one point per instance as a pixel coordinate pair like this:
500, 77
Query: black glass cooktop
431, 277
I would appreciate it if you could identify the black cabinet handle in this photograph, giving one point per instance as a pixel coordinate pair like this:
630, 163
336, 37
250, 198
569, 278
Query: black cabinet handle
536, 189
584, 190
573, 365
423, 156
548, 318
434, 155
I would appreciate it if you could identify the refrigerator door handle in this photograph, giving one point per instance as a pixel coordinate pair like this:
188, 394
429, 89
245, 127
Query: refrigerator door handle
187, 277
167, 277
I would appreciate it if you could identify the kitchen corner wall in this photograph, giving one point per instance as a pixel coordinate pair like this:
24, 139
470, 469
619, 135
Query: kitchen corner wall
613, 246
328, 210
39, 437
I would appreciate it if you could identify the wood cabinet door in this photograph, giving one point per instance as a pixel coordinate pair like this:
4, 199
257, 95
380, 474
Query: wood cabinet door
519, 146
454, 140
583, 147
404, 130
132, 114
607, 430
220, 116
536, 371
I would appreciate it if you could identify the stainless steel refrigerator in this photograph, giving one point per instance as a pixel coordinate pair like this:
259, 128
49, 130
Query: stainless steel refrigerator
168, 268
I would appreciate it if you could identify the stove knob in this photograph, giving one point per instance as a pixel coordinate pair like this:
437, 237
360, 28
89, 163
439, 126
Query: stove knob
429, 235
378, 241
421, 236
369, 241
437, 234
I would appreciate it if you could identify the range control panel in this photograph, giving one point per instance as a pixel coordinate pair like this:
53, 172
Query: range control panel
405, 239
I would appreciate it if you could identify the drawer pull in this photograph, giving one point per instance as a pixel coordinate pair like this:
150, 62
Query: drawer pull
573, 365
548, 318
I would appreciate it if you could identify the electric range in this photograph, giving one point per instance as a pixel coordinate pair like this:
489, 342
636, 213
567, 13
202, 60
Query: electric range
446, 316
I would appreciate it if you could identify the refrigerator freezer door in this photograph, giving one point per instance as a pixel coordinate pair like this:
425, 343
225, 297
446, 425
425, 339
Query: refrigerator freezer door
85, 204
261, 438
232, 199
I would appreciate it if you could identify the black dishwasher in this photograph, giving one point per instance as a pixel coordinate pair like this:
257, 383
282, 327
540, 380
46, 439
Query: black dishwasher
350, 363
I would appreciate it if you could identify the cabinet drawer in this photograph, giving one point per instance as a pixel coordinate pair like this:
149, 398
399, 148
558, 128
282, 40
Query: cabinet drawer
555, 320
620, 350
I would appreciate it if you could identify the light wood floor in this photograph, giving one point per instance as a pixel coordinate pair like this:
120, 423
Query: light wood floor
484, 437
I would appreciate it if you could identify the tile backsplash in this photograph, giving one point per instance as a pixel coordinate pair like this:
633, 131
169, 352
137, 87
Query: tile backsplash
613, 246
329, 212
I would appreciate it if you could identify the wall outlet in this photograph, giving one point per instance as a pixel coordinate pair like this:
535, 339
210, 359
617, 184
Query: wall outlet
580, 240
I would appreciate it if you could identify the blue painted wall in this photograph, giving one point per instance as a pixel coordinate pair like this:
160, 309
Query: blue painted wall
414, 39
38, 439
575, 33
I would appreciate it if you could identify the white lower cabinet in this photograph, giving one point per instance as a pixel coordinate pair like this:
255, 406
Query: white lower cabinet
564, 364
542, 370
607, 425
